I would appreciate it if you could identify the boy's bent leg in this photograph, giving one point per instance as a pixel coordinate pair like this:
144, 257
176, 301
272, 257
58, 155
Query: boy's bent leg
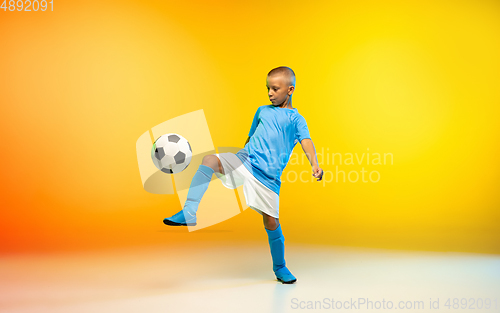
199, 184
277, 245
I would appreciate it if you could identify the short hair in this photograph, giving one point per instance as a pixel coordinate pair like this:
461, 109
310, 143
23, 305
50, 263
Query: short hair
285, 71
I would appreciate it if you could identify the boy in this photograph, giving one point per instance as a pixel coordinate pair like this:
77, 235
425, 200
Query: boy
275, 130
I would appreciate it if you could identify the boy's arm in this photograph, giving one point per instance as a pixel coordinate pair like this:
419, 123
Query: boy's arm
255, 122
308, 147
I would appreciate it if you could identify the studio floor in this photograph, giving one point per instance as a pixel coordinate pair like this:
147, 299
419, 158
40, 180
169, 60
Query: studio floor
231, 277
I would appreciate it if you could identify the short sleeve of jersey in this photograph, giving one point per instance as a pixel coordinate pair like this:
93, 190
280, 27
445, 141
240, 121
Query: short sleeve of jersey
301, 129
255, 122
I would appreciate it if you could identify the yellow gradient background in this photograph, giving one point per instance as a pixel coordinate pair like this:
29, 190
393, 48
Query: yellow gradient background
415, 79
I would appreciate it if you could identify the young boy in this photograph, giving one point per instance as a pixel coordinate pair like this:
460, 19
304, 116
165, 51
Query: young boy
275, 130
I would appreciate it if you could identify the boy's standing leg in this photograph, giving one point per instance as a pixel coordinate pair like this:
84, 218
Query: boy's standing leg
199, 184
277, 245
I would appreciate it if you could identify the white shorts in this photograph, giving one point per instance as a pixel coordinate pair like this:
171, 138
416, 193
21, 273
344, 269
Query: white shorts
258, 197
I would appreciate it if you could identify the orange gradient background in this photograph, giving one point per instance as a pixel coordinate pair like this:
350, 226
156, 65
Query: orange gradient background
417, 79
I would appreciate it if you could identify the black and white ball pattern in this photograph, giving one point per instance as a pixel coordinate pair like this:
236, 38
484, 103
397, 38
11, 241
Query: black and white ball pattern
171, 153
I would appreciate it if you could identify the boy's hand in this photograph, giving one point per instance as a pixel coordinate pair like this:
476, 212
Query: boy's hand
317, 172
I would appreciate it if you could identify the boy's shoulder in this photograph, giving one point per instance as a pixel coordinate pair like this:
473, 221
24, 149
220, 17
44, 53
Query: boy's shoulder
295, 114
265, 106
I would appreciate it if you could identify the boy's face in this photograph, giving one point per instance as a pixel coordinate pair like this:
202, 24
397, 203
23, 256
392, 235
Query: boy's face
277, 89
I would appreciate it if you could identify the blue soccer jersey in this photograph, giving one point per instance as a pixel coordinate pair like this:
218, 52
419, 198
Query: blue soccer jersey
274, 133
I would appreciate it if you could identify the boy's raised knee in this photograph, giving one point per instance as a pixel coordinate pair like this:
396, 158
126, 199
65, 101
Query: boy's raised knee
213, 162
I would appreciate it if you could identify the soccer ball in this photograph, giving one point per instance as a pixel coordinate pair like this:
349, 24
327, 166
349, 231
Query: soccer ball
171, 153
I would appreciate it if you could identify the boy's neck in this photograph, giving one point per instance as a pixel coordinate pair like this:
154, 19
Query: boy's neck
286, 105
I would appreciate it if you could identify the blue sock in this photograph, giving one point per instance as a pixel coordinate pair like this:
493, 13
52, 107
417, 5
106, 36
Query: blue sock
277, 245
198, 186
